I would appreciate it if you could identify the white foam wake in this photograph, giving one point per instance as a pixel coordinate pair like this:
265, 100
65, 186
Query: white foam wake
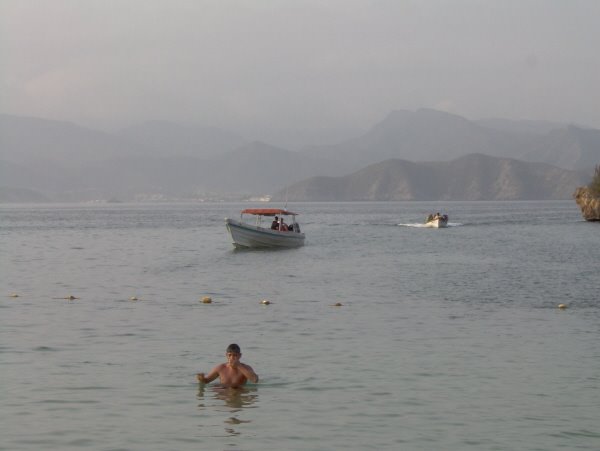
420, 225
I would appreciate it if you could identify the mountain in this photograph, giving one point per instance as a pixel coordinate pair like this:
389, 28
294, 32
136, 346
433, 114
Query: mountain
153, 159
163, 160
34, 141
425, 135
262, 168
31, 140
471, 177
430, 135
47, 179
255, 168
161, 138
570, 148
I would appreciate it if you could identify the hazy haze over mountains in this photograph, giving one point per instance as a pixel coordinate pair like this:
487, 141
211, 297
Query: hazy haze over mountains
166, 161
176, 99
162, 138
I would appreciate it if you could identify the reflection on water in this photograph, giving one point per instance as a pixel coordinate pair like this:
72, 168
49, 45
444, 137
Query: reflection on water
231, 400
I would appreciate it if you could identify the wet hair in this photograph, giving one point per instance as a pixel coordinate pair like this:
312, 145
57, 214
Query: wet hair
234, 348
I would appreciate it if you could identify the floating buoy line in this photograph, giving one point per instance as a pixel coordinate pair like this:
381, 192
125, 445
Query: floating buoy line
208, 300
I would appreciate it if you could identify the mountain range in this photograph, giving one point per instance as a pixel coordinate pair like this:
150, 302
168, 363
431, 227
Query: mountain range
430, 135
423, 154
470, 177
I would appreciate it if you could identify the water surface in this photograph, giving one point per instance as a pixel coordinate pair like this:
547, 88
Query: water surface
447, 338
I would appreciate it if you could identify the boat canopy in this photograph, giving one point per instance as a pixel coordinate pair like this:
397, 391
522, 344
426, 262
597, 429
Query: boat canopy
267, 212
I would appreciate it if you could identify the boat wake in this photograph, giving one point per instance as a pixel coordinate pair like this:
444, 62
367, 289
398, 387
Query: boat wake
420, 225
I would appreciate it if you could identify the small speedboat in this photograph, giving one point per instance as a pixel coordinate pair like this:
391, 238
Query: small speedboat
265, 233
437, 221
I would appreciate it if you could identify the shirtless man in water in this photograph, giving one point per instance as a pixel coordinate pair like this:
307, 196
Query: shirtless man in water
233, 373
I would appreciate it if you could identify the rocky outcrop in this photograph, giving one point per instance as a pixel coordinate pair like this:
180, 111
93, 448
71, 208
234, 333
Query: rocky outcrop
589, 204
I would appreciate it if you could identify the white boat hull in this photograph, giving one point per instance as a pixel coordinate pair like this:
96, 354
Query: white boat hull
439, 223
250, 236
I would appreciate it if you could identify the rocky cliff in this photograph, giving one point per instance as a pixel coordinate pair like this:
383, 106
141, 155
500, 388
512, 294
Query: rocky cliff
589, 204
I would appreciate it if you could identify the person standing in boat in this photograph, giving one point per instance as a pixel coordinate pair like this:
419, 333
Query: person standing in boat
283, 226
275, 224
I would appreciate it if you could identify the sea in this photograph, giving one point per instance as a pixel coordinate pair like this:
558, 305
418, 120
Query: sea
445, 339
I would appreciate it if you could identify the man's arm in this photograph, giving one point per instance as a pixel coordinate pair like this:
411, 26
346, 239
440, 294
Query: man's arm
214, 373
248, 372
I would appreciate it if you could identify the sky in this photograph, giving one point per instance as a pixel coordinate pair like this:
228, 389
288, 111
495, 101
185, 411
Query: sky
319, 66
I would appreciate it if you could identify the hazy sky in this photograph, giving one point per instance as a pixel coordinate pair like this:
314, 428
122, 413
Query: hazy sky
298, 64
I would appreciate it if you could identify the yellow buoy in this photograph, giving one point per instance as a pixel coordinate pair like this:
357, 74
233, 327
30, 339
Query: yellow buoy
265, 302
206, 300
562, 306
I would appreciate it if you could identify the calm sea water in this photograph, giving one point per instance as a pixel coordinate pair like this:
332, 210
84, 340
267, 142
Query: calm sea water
447, 339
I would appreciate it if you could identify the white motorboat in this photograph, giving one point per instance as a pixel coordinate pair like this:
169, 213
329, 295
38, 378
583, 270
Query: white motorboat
262, 234
437, 221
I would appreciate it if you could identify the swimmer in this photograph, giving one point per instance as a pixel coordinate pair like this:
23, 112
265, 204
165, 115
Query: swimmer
231, 374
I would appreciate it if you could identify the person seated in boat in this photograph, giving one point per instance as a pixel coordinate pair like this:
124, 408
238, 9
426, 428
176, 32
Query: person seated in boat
275, 224
283, 226
232, 374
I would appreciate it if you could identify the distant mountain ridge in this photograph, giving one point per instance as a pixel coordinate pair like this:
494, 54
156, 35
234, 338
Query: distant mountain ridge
468, 178
430, 135
34, 142
164, 137
62, 161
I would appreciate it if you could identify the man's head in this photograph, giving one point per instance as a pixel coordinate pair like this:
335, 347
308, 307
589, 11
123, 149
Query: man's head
233, 349
233, 354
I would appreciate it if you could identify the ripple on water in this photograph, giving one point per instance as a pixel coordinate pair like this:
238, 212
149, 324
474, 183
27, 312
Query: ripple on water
45, 349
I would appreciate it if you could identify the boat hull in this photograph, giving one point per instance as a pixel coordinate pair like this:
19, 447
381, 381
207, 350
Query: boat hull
439, 223
249, 236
